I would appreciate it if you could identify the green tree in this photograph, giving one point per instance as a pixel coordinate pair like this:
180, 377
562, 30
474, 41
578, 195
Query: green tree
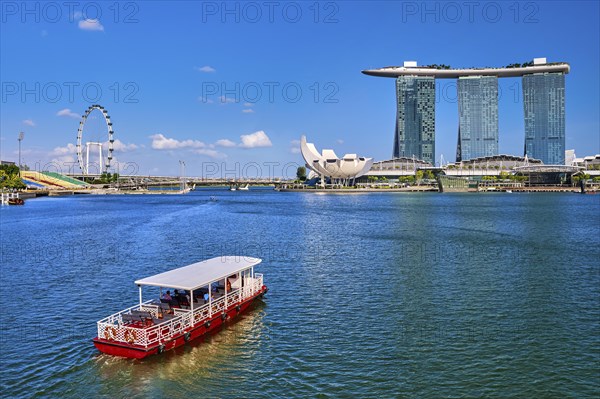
301, 173
10, 170
419, 175
10, 177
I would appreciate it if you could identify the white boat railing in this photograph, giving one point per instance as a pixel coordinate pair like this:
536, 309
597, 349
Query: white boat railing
5, 197
112, 327
117, 317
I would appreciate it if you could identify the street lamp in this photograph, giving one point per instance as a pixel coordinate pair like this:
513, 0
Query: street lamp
182, 165
21, 137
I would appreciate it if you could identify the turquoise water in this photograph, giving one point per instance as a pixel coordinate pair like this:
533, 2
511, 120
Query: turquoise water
379, 295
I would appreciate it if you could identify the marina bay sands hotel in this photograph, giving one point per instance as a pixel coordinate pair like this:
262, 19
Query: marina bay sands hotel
543, 103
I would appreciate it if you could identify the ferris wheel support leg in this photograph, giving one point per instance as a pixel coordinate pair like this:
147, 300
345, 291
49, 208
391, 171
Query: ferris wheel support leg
87, 157
100, 156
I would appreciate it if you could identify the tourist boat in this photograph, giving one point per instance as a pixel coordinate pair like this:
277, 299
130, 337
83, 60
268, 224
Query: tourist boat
16, 201
213, 291
244, 188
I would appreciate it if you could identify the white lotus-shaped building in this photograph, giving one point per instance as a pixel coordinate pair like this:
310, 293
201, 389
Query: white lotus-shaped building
327, 164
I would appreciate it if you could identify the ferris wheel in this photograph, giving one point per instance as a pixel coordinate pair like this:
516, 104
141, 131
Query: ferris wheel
98, 144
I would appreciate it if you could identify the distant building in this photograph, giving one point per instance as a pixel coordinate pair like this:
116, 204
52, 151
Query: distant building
570, 157
415, 118
478, 117
6, 162
544, 105
498, 162
589, 162
328, 166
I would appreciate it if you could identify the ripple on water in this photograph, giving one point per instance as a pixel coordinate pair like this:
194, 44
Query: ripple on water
370, 296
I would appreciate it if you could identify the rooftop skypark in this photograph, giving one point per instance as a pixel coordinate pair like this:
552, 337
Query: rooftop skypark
410, 68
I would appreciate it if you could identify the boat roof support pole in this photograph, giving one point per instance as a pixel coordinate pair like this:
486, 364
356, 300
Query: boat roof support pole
210, 300
140, 288
192, 301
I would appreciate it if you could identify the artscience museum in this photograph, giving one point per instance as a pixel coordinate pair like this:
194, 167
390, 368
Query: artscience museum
330, 168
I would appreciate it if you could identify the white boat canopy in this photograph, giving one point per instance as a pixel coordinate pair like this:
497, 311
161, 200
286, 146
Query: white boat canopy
200, 274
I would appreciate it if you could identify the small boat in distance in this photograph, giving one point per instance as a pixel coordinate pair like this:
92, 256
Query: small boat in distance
210, 292
232, 188
244, 188
16, 201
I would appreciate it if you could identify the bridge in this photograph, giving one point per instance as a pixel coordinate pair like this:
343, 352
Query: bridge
134, 181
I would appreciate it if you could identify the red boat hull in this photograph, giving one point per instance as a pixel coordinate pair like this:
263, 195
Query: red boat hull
139, 352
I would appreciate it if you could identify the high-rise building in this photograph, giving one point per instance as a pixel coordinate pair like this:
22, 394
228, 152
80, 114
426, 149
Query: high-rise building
478, 117
415, 118
544, 105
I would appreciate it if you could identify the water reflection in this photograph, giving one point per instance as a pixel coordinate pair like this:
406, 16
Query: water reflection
193, 365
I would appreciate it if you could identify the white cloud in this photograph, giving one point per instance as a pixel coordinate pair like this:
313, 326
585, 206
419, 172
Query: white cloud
28, 122
255, 140
66, 161
227, 100
160, 142
91, 24
60, 151
248, 111
119, 146
295, 146
248, 104
206, 69
340, 141
205, 100
67, 112
211, 153
225, 143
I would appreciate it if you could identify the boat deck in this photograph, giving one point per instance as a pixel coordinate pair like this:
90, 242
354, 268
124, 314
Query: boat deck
158, 312
154, 322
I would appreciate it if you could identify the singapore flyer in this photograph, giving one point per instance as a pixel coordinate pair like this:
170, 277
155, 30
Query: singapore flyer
95, 140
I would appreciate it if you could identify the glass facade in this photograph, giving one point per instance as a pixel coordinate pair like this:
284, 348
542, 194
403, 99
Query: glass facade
477, 117
415, 118
544, 105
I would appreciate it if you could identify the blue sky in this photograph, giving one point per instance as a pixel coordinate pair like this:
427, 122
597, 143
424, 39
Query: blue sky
229, 86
